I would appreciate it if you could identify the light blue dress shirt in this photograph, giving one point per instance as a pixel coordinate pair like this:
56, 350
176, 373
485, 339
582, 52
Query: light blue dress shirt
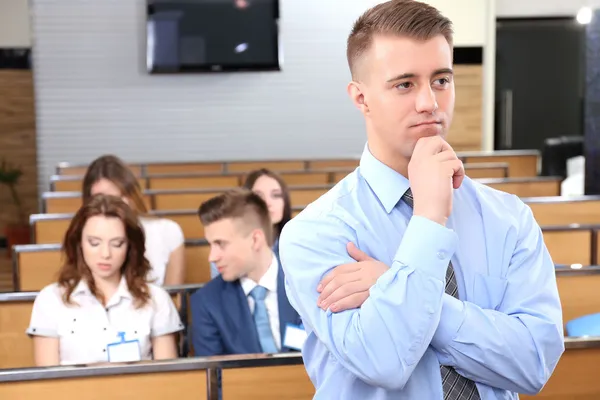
505, 333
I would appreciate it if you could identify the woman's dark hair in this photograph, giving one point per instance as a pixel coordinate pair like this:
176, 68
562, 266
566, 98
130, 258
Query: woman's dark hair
251, 179
112, 168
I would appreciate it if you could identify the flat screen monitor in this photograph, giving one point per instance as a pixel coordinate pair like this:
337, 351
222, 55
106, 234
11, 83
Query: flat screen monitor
212, 36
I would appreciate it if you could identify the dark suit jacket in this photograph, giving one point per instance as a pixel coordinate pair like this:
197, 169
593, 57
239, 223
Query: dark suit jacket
222, 323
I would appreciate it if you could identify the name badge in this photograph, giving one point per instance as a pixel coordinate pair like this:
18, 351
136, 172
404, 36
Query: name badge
124, 350
294, 337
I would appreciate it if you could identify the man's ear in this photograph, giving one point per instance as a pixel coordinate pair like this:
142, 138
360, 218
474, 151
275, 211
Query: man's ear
356, 92
258, 239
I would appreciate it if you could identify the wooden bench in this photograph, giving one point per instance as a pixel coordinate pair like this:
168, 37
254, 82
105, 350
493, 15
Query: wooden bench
181, 199
522, 163
527, 187
180, 385
267, 383
571, 245
145, 169
573, 377
248, 377
37, 265
578, 289
199, 180
565, 210
16, 350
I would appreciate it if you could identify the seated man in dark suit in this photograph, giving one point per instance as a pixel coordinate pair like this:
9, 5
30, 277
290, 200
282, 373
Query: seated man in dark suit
245, 308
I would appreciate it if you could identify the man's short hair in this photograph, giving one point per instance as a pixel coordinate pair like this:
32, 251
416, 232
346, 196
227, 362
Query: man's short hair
408, 18
238, 204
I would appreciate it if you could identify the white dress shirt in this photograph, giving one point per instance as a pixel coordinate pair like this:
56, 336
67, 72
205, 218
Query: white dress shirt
163, 236
268, 281
87, 327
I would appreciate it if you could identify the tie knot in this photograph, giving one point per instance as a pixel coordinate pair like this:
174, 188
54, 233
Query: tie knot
408, 198
258, 293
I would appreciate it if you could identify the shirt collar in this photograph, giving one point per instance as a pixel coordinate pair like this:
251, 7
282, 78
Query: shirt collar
388, 185
268, 281
82, 288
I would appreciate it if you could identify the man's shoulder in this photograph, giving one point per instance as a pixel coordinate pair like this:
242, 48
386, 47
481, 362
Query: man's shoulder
210, 290
488, 198
337, 199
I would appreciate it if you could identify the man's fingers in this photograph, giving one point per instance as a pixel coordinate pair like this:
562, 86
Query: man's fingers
431, 145
336, 291
356, 253
334, 284
350, 302
337, 271
458, 172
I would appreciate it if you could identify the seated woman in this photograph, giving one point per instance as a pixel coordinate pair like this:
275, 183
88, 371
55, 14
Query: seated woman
102, 309
164, 237
274, 191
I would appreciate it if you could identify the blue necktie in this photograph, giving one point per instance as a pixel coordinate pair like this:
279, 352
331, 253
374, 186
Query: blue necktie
261, 320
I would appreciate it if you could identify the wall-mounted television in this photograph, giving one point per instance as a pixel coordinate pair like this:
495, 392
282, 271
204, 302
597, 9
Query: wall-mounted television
212, 36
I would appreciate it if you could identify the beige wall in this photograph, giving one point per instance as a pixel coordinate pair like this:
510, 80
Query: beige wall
14, 23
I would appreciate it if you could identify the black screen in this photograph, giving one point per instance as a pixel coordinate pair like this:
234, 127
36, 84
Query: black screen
212, 35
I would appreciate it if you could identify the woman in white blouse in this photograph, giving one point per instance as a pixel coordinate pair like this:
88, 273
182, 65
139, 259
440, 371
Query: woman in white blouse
102, 309
164, 237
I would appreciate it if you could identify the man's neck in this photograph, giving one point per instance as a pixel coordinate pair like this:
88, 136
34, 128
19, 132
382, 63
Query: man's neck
386, 156
263, 262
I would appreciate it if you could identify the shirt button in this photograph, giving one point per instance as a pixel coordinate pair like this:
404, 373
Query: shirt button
34, 329
104, 350
441, 255
104, 328
430, 310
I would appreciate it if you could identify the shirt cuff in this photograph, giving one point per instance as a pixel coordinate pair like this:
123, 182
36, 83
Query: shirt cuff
36, 331
451, 319
427, 246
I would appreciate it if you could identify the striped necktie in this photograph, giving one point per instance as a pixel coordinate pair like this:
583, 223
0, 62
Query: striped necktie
455, 386
261, 320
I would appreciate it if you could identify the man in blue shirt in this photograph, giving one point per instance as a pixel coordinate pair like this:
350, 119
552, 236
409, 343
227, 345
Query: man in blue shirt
454, 293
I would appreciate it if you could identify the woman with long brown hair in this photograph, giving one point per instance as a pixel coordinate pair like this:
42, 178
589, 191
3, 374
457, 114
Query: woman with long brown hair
102, 308
164, 237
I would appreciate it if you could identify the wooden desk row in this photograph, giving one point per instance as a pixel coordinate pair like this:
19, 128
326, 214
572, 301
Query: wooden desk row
561, 211
522, 163
34, 266
73, 183
247, 377
182, 199
35, 269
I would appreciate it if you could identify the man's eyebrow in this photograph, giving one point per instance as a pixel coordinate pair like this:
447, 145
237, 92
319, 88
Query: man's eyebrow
412, 75
402, 76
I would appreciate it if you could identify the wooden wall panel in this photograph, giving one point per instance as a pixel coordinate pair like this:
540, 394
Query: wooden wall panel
466, 129
18, 139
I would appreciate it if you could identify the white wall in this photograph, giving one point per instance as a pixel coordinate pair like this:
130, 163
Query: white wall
14, 23
541, 8
94, 96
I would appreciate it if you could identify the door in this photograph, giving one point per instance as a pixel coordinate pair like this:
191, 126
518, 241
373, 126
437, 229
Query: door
540, 76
